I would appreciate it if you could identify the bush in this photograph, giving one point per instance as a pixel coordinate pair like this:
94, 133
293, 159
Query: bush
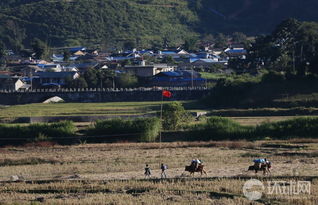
298, 127
273, 76
37, 132
147, 129
219, 128
174, 115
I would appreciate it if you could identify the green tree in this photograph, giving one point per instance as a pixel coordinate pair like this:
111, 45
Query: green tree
168, 60
129, 45
285, 40
2, 54
238, 37
221, 41
91, 77
80, 83
106, 78
40, 49
207, 40
307, 48
126, 80
75, 83
66, 55
190, 44
261, 54
173, 115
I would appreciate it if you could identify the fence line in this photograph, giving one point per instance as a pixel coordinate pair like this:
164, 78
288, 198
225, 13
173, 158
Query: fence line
73, 90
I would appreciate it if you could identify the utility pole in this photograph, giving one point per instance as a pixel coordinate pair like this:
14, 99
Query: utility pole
31, 78
192, 77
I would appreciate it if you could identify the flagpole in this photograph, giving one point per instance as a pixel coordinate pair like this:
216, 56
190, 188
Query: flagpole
160, 127
167, 94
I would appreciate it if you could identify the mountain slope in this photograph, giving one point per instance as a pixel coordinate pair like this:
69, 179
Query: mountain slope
254, 16
143, 22
96, 21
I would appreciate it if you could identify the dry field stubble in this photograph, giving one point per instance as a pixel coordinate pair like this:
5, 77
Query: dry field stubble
99, 173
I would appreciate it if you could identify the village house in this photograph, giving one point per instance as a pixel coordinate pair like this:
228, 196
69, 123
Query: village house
11, 83
144, 70
179, 78
84, 67
173, 53
30, 70
50, 67
54, 78
236, 51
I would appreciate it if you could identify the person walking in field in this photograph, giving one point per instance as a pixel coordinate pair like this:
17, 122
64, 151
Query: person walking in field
195, 163
147, 171
163, 167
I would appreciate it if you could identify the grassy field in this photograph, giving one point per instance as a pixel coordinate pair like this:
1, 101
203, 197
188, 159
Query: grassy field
260, 119
299, 98
75, 109
86, 109
213, 76
113, 173
243, 116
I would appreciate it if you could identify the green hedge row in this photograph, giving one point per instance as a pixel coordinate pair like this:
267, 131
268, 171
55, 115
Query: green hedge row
146, 129
16, 134
219, 128
305, 127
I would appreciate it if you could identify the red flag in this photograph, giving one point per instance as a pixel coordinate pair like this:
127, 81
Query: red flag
166, 93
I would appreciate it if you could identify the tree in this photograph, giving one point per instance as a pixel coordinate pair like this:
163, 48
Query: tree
190, 44
129, 45
238, 37
168, 60
285, 40
220, 41
91, 77
173, 116
106, 78
285, 33
207, 40
75, 83
66, 55
40, 48
198, 5
264, 53
79, 83
127, 80
2, 54
307, 47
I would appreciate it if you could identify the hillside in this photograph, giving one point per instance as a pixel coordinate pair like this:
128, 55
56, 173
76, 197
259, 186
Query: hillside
61, 22
143, 22
253, 16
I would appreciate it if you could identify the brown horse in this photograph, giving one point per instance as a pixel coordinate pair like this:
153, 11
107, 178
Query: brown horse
265, 167
192, 169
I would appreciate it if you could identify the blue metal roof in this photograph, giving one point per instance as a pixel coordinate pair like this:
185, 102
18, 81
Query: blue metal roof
236, 51
55, 74
165, 79
77, 49
206, 60
170, 74
168, 52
